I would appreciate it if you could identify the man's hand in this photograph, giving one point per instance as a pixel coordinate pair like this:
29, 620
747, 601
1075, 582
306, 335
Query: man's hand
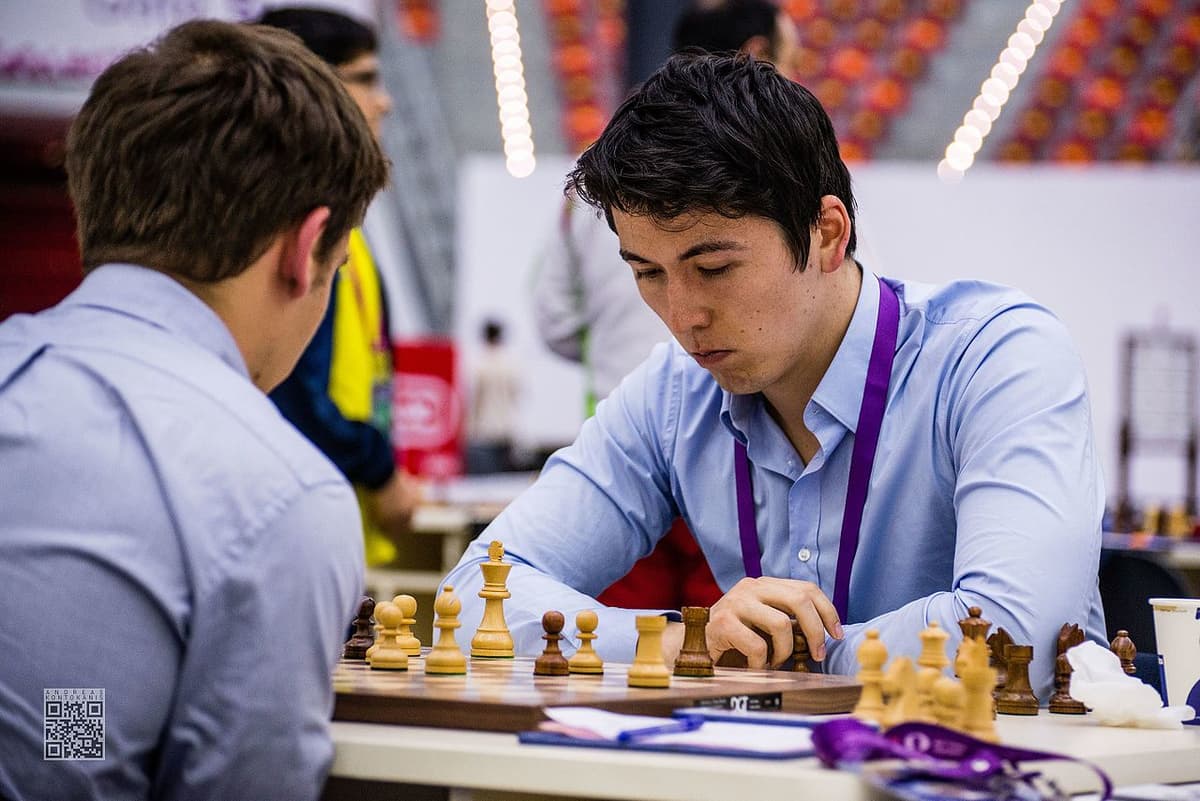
391, 506
756, 610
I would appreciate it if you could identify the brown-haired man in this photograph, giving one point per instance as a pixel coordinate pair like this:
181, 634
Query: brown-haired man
194, 556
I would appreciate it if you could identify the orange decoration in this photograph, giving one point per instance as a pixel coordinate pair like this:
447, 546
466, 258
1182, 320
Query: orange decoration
1150, 126
1075, 151
908, 63
887, 95
889, 10
850, 64
1105, 93
1163, 91
866, 125
832, 93
1093, 124
573, 58
924, 34
870, 34
1084, 32
853, 151
1067, 62
945, 10
1053, 92
819, 33
1132, 151
845, 10
800, 10
418, 19
1016, 150
808, 63
1035, 124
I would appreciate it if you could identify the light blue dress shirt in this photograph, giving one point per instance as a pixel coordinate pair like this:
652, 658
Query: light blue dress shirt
986, 489
167, 537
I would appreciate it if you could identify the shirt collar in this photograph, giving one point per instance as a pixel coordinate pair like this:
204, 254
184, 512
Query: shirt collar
161, 301
841, 388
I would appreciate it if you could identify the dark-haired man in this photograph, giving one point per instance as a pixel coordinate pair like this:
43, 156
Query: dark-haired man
587, 308
172, 551
340, 394
853, 452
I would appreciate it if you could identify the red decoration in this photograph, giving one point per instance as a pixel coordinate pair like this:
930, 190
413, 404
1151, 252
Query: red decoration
418, 19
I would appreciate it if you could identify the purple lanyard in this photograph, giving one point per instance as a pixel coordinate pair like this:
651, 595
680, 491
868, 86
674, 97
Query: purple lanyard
862, 459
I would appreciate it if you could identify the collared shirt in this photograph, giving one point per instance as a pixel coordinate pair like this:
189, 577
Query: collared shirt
166, 537
986, 488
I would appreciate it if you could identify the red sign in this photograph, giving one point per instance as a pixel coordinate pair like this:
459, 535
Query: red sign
427, 410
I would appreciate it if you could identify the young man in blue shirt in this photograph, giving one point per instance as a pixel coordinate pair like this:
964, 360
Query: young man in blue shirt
167, 538
850, 451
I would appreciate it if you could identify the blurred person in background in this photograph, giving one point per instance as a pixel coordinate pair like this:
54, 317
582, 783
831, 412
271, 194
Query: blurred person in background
340, 394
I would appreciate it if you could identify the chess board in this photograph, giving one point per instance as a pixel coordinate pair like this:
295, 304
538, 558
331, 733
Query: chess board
504, 695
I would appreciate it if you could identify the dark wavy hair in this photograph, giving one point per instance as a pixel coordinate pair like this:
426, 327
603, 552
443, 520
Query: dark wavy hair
336, 38
718, 133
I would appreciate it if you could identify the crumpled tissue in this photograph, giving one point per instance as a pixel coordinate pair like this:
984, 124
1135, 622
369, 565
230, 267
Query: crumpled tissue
1117, 699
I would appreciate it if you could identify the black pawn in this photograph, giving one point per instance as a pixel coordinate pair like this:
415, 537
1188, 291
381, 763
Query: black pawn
552, 662
364, 635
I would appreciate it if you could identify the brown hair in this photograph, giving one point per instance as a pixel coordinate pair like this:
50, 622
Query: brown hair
191, 154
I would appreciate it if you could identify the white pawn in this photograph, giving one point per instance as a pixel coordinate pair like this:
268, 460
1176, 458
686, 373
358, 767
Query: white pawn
446, 658
388, 655
404, 635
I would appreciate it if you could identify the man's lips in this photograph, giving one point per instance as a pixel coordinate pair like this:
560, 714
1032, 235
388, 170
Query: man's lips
708, 358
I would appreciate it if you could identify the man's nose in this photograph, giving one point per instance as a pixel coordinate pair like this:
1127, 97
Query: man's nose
687, 309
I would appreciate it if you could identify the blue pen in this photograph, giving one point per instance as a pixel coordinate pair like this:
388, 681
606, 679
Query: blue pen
687, 723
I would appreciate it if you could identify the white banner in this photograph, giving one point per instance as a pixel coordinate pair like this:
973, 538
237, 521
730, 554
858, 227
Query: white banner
52, 50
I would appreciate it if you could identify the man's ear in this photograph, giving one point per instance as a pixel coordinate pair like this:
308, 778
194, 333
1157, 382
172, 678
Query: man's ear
298, 265
833, 230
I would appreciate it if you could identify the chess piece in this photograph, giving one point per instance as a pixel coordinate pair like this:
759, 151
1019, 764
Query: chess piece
871, 656
551, 662
973, 626
978, 679
1125, 650
363, 637
694, 659
999, 640
931, 662
586, 660
381, 632
446, 658
404, 635
1017, 697
1061, 703
900, 688
648, 668
948, 700
387, 654
492, 639
801, 653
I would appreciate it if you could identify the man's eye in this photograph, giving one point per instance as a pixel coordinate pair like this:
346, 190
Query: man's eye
712, 272
642, 275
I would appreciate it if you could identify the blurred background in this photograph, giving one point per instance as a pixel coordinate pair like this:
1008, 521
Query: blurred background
1051, 145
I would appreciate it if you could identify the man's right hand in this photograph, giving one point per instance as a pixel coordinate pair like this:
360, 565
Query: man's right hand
391, 506
759, 609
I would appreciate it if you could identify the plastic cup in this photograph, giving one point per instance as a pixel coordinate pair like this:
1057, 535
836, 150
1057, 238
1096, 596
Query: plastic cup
1177, 631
